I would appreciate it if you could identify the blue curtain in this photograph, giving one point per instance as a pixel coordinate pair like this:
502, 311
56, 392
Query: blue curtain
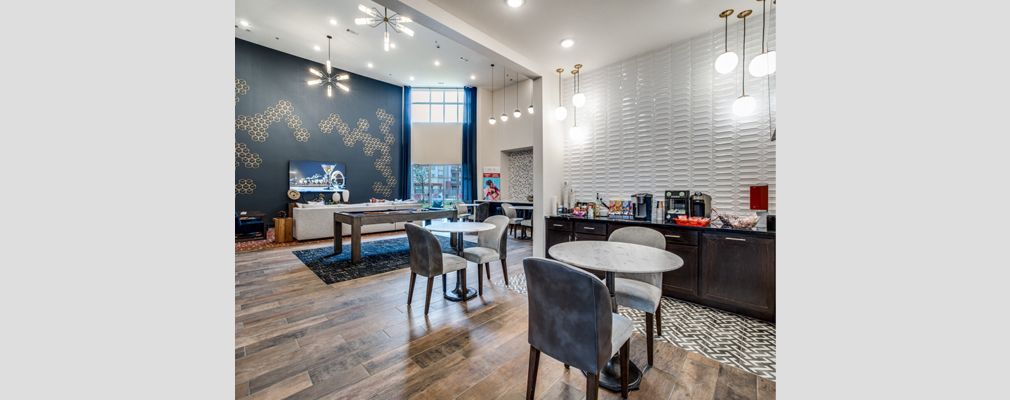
405, 177
470, 144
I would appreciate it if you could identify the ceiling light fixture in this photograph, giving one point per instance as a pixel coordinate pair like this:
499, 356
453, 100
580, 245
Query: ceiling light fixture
576, 132
727, 60
504, 117
517, 113
436, 63
567, 43
561, 112
764, 63
333, 22
393, 45
369, 65
316, 48
244, 23
492, 120
579, 99
514, 3
396, 21
412, 78
744, 105
531, 99
330, 78
472, 77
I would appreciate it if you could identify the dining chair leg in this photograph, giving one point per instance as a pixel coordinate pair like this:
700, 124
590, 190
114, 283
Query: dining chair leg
410, 292
443, 284
487, 267
531, 379
625, 367
659, 321
427, 297
592, 386
648, 335
505, 271
480, 281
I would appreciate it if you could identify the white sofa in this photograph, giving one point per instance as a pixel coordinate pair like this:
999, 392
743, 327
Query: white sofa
316, 221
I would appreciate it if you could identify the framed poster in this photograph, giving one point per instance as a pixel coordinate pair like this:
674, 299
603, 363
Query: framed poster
491, 183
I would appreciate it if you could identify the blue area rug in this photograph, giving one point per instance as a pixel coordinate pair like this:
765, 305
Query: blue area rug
376, 257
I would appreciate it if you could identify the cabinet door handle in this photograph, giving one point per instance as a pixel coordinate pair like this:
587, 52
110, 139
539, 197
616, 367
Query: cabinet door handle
589, 228
673, 236
737, 239
558, 225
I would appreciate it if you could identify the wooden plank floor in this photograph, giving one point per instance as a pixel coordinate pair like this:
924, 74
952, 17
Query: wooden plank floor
297, 338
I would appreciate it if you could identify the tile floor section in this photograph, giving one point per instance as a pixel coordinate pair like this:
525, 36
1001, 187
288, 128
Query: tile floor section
735, 340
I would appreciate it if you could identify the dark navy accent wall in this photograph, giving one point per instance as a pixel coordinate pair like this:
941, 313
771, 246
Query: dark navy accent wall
278, 119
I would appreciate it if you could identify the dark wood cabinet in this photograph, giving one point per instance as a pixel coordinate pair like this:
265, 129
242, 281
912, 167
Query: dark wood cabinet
683, 280
739, 272
729, 270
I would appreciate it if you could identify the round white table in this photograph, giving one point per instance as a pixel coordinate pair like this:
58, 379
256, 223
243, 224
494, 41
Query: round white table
613, 257
461, 292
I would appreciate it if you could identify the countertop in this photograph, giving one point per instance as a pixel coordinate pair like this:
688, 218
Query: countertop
710, 228
505, 201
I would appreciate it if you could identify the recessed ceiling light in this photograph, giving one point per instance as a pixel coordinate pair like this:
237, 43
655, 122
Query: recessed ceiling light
333, 22
515, 3
316, 48
412, 78
473, 77
393, 45
369, 65
436, 63
244, 23
567, 43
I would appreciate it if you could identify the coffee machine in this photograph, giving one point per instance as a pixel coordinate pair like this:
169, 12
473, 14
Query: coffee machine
701, 205
677, 203
643, 206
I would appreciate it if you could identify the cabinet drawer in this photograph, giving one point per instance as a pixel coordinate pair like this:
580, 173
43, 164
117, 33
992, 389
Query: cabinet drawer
592, 228
559, 225
679, 236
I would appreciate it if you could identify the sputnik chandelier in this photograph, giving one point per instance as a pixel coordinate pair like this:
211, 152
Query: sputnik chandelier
383, 18
330, 78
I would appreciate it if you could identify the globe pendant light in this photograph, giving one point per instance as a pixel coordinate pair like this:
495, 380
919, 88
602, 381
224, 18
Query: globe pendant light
492, 120
561, 112
531, 99
744, 105
504, 117
579, 99
576, 132
517, 113
727, 61
764, 63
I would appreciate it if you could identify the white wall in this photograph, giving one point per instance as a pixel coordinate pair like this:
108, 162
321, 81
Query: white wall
664, 120
514, 134
436, 143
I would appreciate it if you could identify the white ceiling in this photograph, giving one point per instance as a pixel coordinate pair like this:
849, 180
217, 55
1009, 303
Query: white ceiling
294, 27
605, 31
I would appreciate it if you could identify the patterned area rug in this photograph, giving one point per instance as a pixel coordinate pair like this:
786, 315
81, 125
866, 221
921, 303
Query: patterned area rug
269, 243
376, 257
745, 343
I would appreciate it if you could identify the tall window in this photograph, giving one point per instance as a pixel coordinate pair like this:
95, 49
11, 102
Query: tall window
436, 185
436, 105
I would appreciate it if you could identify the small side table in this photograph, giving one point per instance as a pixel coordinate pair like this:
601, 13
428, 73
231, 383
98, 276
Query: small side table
283, 230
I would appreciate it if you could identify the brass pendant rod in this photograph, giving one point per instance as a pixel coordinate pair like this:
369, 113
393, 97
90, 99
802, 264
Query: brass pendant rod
763, 23
743, 58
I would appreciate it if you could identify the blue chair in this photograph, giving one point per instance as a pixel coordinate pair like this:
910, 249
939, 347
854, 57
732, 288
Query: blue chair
252, 228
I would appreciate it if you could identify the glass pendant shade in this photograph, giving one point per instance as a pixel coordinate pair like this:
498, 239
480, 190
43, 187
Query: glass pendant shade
504, 117
576, 132
744, 105
516, 113
579, 99
530, 109
726, 62
491, 121
560, 113
762, 65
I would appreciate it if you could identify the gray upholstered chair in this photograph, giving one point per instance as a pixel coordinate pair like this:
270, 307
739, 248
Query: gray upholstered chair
526, 223
482, 211
462, 213
514, 219
427, 259
490, 247
571, 320
641, 291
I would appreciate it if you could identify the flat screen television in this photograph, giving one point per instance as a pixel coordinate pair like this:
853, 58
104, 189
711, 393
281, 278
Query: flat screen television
316, 176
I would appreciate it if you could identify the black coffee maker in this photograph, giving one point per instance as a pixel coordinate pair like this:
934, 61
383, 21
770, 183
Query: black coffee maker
643, 206
677, 203
701, 205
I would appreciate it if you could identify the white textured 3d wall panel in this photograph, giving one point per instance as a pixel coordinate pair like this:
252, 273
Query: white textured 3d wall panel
664, 120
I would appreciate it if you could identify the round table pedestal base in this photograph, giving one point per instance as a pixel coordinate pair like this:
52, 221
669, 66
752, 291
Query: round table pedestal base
610, 377
454, 295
